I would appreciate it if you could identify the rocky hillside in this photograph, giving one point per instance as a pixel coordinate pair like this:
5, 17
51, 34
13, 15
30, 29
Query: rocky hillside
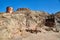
26, 24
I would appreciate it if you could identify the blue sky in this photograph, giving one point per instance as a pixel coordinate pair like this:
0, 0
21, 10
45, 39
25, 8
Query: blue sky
50, 6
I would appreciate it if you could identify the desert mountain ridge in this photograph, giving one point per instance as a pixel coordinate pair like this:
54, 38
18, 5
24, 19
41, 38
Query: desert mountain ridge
26, 24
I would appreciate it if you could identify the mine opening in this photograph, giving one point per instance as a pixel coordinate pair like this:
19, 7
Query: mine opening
50, 21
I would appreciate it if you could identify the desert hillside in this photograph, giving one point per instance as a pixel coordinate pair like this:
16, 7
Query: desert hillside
26, 24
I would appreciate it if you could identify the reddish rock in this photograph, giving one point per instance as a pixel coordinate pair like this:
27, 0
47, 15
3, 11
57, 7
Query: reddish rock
22, 9
9, 10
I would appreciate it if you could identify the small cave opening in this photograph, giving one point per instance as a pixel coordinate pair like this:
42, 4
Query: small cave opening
50, 21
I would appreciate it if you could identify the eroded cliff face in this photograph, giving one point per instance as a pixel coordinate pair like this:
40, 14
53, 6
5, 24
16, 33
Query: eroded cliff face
11, 25
22, 24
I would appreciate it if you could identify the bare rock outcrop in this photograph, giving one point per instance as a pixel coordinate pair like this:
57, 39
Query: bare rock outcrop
9, 10
14, 25
25, 24
57, 20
